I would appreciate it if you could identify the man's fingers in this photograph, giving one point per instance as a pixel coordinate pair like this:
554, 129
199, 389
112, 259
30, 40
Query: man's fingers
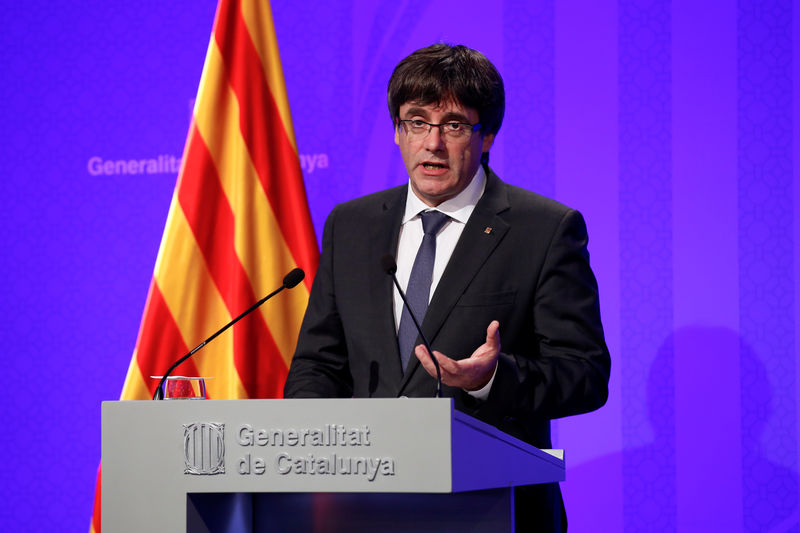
493, 333
446, 364
422, 354
425, 360
471, 373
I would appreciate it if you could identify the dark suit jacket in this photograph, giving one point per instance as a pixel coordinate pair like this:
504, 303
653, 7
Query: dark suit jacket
521, 260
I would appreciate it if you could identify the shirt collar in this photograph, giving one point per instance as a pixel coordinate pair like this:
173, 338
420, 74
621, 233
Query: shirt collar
459, 207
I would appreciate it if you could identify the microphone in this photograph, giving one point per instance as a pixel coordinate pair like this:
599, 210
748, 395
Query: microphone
290, 281
390, 267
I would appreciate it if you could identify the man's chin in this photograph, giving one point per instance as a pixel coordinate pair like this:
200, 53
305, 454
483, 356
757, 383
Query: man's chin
434, 196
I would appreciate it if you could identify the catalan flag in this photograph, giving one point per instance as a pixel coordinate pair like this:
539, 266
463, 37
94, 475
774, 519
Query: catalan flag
237, 224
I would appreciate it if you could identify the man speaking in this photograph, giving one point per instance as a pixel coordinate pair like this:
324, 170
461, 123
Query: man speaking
498, 277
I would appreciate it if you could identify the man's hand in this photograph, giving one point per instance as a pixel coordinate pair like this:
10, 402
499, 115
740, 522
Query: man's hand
469, 374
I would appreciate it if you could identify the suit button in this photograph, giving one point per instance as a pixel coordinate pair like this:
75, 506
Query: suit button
509, 418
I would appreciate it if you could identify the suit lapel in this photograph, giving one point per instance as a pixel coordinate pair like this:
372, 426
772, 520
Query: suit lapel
384, 235
474, 246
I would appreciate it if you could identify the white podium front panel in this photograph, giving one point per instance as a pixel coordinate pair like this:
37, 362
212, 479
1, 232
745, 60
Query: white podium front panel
154, 453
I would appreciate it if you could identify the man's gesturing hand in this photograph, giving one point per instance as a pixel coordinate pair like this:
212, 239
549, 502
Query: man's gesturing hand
469, 374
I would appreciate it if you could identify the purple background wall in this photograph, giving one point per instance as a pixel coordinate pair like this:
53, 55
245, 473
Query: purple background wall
674, 126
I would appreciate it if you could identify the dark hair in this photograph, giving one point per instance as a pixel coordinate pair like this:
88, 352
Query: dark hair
440, 73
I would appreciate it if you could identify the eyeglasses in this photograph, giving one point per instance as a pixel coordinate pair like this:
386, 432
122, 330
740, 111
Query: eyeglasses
452, 131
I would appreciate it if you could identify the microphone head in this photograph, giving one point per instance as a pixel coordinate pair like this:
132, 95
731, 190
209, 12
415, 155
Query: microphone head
388, 264
293, 278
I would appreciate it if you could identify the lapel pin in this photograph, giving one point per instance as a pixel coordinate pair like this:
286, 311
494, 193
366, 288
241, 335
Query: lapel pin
488, 230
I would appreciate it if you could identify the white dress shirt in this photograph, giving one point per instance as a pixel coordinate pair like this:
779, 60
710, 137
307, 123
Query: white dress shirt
459, 208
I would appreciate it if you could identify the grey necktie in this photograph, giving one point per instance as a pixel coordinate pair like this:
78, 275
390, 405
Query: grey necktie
419, 284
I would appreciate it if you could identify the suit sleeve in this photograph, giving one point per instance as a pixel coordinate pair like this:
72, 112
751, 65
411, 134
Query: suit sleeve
319, 367
566, 370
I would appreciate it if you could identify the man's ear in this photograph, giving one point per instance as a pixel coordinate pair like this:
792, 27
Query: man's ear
488, 140
397, 134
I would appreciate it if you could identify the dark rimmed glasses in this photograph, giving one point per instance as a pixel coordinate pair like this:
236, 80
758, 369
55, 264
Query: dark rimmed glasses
459, 132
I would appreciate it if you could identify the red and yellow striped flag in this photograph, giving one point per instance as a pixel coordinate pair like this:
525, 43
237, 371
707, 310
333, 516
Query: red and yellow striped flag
238, 223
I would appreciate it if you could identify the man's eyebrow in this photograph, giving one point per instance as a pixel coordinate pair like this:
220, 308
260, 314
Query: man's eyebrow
411, 111
454, 117
449, 117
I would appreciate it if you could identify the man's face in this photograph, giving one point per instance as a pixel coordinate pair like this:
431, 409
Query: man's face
440, 168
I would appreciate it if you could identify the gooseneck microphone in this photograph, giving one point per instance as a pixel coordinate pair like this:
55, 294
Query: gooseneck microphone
390, 267
289, 282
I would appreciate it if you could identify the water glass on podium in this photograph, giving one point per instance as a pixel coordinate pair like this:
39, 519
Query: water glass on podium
184, 388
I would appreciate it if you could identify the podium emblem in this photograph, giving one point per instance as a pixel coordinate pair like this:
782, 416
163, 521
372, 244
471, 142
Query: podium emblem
204, 448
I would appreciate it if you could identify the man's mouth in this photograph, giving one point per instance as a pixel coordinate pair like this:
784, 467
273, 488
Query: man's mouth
428, 165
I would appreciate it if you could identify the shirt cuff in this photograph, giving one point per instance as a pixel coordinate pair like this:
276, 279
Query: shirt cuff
483, 393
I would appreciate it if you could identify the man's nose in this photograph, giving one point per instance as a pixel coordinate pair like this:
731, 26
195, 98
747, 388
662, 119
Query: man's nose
434, 140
